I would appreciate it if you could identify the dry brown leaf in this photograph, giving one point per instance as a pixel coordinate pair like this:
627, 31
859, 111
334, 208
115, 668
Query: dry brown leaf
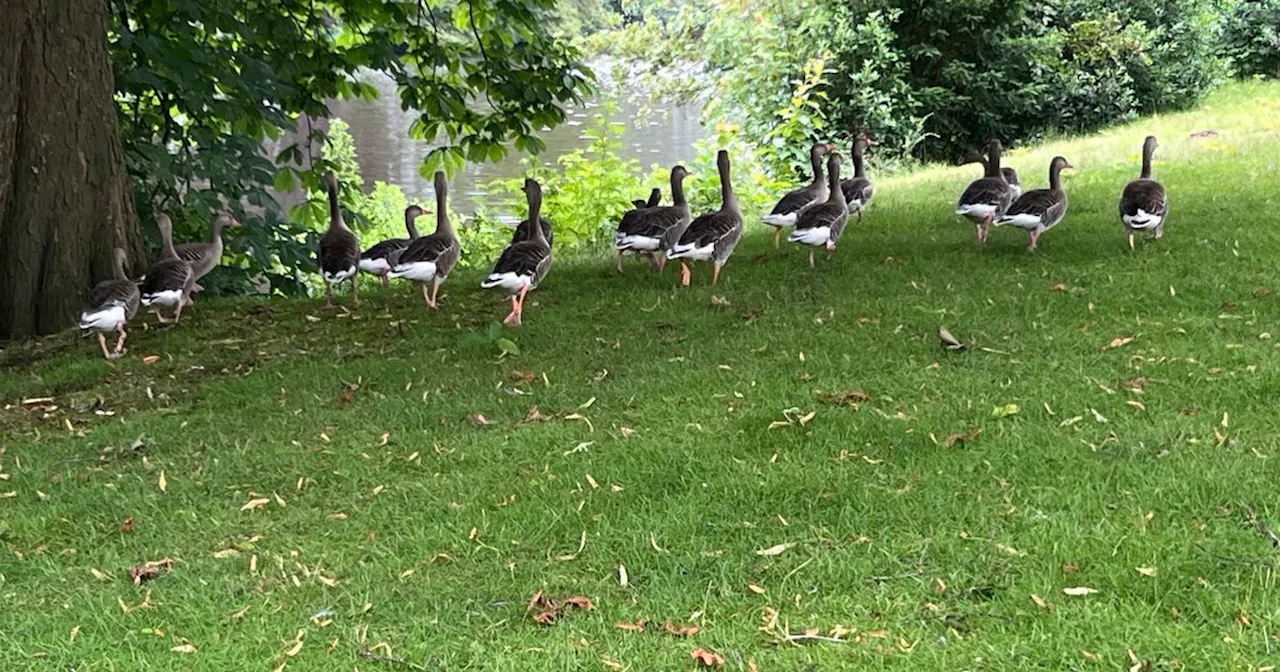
297, 645
150, 359
479, 420
638, 626
1070, 568
1091, 656
757, 589
255, 504
327, 581
150, 570
623, 579
1146, 571
183, 648
98, 574
851, 397
953, 439
226, 553
127, 525
1120, 342
162, 483
1060, 287
751, 665
626, 432
1078, 591
1040, 602
774, 550
709, 659
612, 664
686, 631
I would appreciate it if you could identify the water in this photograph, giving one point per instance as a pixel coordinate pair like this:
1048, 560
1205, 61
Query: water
385, 151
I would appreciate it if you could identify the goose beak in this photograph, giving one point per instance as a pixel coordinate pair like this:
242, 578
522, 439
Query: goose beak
1069, 167
236, 223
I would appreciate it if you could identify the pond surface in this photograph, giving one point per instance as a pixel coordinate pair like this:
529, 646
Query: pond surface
652, 135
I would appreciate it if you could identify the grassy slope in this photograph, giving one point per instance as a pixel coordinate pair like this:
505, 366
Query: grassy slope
929, 553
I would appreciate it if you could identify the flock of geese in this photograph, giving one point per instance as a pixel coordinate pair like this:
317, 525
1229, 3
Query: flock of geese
816, 214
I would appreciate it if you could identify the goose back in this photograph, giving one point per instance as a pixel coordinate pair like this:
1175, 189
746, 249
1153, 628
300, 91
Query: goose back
339, 251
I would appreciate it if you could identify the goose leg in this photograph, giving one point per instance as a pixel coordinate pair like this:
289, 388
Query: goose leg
102, 341
177, 314
684, 274
653, 261
777, 236
831, 249
662, 261
426, 297
859, 214
120, 341
160, 318
386, 282
1035, 238
983, 228
513, 318
355, 292
328, 296
619, 261
1131, 240
811, 257
715, 274
1159, 231
435, 292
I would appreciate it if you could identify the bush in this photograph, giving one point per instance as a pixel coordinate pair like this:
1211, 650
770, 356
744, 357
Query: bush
1252, 38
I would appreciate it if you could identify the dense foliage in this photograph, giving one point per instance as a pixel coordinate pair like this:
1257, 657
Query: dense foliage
1252, 38
200, 86
929, 80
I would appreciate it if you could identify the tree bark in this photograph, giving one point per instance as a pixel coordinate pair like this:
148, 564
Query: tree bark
65, 199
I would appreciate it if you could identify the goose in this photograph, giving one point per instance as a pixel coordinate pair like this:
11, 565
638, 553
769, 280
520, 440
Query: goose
169, 281
1039, 210
429, 259
711, 237
379, 259
112, 303
821, 225
1011, 176
204, 257
987, 198
655, 197
522, 229
339, 252
858, 190
785, 213
1144, 204
524, 263
656, 228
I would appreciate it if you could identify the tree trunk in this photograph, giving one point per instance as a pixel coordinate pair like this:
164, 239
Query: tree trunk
65, 199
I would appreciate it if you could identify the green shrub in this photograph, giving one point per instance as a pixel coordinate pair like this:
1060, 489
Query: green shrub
1252, 38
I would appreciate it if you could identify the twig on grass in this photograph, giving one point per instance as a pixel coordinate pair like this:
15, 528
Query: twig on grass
803, 637
1260, 525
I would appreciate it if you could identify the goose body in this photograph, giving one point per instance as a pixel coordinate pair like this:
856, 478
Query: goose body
655, 229
987, 198
523, 231
713, 236
204, 257
655, 197
1011, 178
1039, 210
524, 263
787, 211
430, 259
1144, 205
112, 303
858, 190
379, 259
169, 281
822, 225
339, 251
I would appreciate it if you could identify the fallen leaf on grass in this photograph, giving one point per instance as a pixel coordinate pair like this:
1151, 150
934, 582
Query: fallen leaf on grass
1069, 568
150, 359
623, 579
127, 525
255, 504
851, 398
1146, 571
183, 648
686, 631
162, 483
612, 664
1040, 602
150, 570
1005, 411
332, 583
1119, 342
948, 341
638, 626
1060, 287
960, 437
479, 420
346, 397
98, 574
1078, 591
774, 550
707, 658
751, 665
757, 589
547, 610
226, 553
534, 415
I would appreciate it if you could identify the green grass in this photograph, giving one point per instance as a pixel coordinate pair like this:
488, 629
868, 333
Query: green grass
438, 530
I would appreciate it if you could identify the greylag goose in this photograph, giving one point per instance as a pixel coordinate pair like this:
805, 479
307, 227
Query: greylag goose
1144, 204
858, 190
169, 281
987, 198
821, 225
379, 259
204, 257
712, 237
522, 231
524, 263
1039, 210
429, 259
339, 253
655, 197
653, 230
1011, 176
788, 210
112, 303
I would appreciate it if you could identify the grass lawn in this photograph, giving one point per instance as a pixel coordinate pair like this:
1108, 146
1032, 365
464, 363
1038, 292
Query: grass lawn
387, 472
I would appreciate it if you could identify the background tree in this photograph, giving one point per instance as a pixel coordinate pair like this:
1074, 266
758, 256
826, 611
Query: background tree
200, 86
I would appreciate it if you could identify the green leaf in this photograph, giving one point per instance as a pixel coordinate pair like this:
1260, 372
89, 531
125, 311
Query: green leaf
508, 347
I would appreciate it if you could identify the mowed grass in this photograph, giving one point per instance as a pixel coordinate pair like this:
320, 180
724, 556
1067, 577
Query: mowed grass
678, 436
